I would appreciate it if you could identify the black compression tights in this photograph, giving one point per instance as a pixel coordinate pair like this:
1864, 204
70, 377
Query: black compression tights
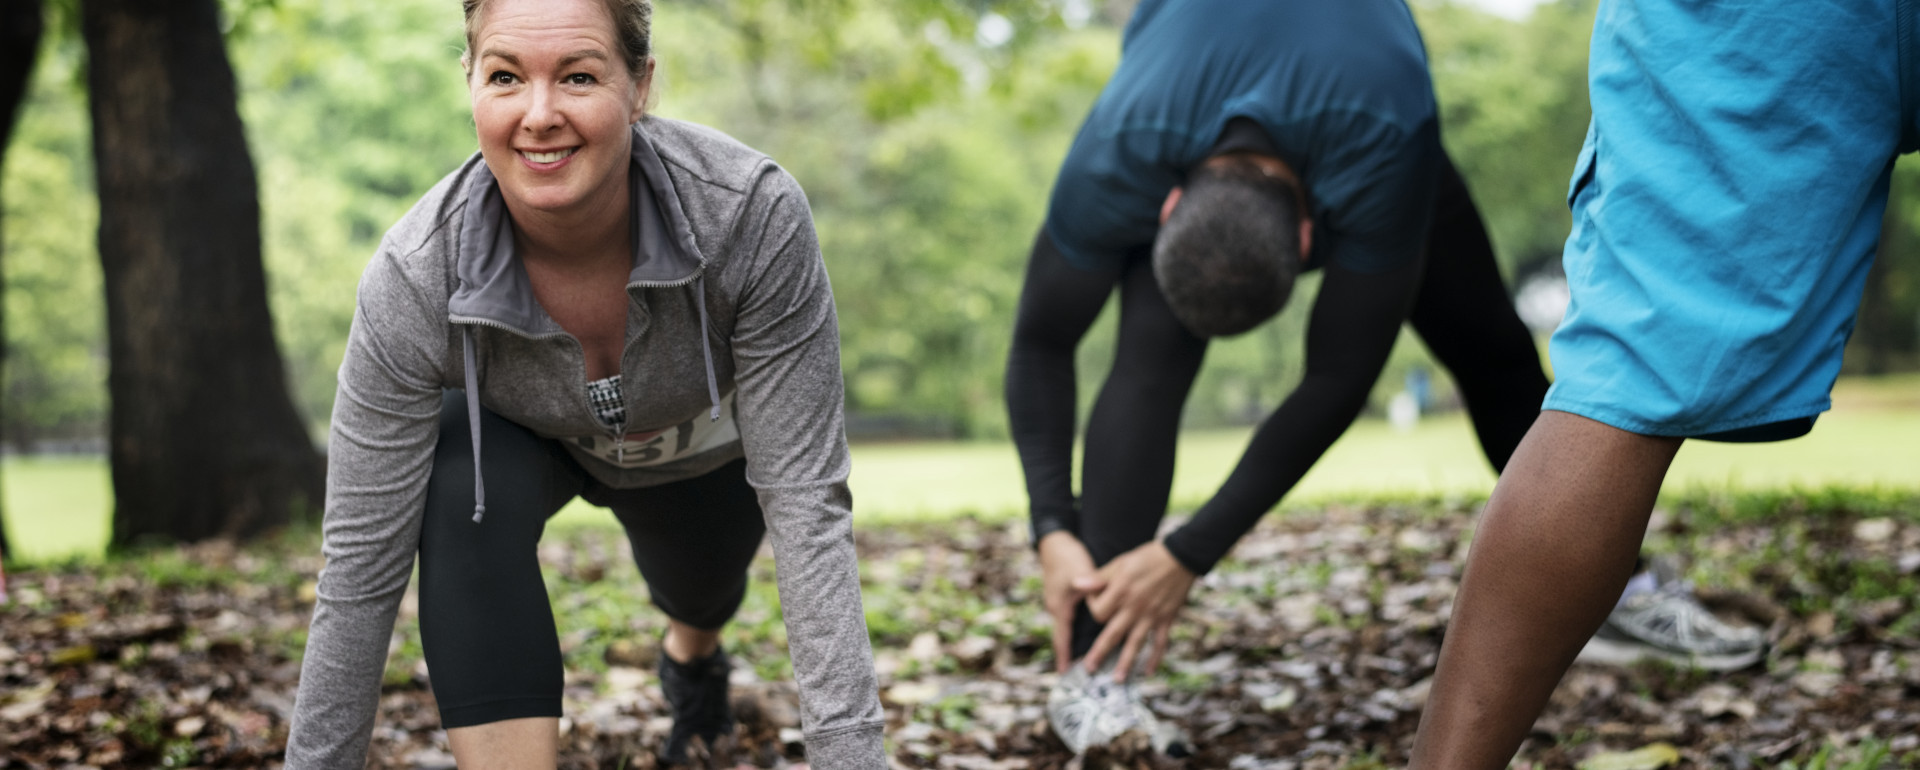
487, 629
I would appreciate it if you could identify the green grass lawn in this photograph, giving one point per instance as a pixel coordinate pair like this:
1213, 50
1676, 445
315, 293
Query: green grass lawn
57, 508
1439, 457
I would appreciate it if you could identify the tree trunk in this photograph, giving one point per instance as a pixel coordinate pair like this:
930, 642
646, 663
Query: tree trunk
20, 26
1884, 338
203, 436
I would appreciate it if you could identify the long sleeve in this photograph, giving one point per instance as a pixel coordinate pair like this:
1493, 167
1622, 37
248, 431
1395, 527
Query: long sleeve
379, 455
1058, 302
791, 414
1354, 324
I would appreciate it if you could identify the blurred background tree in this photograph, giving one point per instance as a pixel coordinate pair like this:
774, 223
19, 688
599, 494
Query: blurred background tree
203, 439
20, 29
926, 133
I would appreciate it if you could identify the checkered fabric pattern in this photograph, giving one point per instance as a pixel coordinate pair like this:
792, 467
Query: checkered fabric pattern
607, 402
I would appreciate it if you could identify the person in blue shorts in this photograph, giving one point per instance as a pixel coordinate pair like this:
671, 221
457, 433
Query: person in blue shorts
1726, 207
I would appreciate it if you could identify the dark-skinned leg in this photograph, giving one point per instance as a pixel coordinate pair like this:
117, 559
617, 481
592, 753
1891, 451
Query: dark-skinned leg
1552, 552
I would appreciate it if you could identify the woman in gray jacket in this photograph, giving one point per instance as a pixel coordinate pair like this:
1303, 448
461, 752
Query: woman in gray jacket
606, 305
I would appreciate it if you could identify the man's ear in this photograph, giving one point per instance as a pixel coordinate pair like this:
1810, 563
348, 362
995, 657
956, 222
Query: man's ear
1306, 238
1166, 207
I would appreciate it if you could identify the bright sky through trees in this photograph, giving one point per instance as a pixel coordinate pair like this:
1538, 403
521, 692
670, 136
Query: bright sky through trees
1512, 9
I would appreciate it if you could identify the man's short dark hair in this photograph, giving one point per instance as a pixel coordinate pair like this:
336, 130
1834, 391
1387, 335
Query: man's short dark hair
1227, 255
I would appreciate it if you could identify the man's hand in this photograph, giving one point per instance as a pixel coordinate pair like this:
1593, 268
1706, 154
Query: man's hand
1064, 565
1137, 595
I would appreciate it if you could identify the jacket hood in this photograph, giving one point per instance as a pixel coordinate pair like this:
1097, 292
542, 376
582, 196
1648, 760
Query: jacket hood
493, 287
492, 283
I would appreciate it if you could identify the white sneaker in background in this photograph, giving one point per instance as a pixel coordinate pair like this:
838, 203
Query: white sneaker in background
1669, 624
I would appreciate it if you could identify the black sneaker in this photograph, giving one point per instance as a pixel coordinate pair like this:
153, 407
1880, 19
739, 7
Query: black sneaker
697, 693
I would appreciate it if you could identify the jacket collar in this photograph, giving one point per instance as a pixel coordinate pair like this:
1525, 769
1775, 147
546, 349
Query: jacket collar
491, 284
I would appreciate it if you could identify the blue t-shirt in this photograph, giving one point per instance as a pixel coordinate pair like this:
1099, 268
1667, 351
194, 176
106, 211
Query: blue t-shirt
1340, 87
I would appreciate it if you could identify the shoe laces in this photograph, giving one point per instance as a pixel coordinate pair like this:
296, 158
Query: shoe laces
1674, 610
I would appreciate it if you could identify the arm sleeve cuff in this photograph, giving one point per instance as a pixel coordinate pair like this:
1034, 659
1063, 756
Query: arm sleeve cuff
1045, 523
1184, 553
861, 748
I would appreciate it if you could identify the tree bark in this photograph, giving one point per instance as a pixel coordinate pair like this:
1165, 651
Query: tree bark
20, 28
203, 437
1885, 335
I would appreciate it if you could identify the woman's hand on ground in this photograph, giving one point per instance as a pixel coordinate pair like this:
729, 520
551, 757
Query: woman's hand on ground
1065, 566
1137, 595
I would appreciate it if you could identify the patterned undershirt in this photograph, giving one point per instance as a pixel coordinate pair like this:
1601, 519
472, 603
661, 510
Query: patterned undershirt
608, 405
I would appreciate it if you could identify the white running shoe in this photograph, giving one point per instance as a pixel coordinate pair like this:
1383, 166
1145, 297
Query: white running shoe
1669, 624
1088, 710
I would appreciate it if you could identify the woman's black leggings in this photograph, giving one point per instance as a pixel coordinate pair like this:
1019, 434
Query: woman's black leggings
488, 630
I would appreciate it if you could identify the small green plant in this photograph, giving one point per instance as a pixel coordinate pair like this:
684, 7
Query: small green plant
953, 712
179, 753
1580, 736
1368, 760
143, 725
1870, 754
174, 569
1181, 681
401, 664
773, 668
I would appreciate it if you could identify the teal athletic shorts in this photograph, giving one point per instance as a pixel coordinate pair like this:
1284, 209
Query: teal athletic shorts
1726, 207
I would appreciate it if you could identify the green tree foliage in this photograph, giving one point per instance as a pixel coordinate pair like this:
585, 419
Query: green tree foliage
56, 375
1886, 338
930, 150
925, 132
354, 109
1513, 106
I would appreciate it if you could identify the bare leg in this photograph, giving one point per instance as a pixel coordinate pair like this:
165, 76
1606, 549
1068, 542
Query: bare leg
686, 644
534, 742
1552, 553
513, 744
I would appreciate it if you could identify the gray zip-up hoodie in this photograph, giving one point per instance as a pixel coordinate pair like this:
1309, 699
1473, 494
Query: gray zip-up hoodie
728, 296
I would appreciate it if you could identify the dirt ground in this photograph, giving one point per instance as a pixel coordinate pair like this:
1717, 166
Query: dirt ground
1312, 648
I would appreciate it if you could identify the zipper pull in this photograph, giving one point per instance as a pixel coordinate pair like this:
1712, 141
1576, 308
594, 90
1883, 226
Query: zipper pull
620, 447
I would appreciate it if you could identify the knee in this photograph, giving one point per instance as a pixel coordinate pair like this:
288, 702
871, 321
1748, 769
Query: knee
706, 607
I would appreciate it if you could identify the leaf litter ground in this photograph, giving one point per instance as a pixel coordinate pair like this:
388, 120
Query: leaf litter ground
1313, 647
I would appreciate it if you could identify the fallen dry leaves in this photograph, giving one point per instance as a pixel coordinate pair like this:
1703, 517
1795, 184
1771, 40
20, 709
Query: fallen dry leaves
1312, 648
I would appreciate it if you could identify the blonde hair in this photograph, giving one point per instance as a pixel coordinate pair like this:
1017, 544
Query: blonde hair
632, 23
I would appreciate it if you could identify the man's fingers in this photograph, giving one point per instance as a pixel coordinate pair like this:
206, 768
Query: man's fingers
1162, 637
1103, 606
1124, 665
1089, 584
1109, 638
1063, 640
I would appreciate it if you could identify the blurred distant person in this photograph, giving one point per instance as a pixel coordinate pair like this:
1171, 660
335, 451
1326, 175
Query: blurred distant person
1726, 208
605, 305
1237, 145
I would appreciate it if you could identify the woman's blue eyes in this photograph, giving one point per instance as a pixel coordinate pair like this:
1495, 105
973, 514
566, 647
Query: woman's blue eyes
504, 78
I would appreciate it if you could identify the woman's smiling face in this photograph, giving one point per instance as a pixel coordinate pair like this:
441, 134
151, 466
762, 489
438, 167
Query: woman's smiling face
552, 104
